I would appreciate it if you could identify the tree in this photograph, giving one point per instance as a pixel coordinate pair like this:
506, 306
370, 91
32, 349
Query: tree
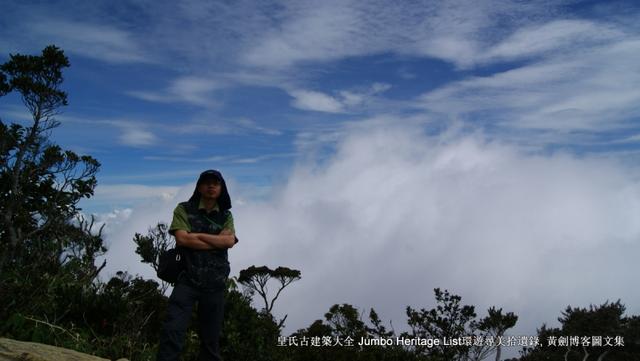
248, 334
344, 329
448, 320
123, 316
45, 246
255, 279
451, 320
378, 330
345, 322
152, 245
41, 183
494, 325
618, 335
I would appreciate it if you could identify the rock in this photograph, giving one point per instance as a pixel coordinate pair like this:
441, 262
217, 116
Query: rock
12, 350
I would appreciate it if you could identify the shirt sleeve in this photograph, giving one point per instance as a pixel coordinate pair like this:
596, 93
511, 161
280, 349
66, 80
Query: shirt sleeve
180, 220
228, 224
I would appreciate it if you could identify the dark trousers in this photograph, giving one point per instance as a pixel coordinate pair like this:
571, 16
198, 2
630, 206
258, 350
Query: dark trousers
210, 317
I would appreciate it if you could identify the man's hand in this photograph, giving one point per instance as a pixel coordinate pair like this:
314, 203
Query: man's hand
225, 239
227, 231
190, 240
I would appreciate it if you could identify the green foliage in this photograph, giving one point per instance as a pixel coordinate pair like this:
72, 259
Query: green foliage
378, 330
125, 315
116, 319
255, 280
150, 246
37, 79
494, 325
247, 334
606, 320
47, 252
344, 323
449, 319
41, 185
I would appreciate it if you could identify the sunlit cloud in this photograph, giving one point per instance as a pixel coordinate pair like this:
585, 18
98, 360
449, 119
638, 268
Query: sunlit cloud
563, 36
458, 211
313, 100
137, 137
192, 90
343, 101
594, 92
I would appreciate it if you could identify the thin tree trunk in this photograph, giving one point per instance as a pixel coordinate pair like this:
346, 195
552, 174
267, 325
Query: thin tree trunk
603, 355
14, 231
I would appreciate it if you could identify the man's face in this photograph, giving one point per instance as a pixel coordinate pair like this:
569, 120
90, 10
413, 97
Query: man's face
210, 188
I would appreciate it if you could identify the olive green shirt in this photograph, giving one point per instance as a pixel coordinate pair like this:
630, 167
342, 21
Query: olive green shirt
181, 221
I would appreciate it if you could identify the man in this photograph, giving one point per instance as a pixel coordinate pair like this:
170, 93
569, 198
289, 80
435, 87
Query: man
204, 230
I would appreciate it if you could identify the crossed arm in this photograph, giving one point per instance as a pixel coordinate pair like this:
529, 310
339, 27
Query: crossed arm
226, 239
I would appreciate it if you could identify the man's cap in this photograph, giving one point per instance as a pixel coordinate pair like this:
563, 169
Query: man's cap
209, 175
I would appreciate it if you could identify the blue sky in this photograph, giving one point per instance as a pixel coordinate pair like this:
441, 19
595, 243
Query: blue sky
479, 111
169, 86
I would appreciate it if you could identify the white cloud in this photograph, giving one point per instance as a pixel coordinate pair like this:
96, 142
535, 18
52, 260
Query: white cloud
345, 100
189, 89
137, 137
107, 222
208, 124
449, 30
317, 101
251, 125
220, 159
256, 39
101, 42
310, 32
377, 88
331, 30
354, 98
194, 90
130, 194
564, 36
117, 215
133, 133
592, 89
393, 207
630, 139
212, 159
394, 213
262, 158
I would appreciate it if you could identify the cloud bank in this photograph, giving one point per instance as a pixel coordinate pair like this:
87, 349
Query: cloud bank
396, 212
